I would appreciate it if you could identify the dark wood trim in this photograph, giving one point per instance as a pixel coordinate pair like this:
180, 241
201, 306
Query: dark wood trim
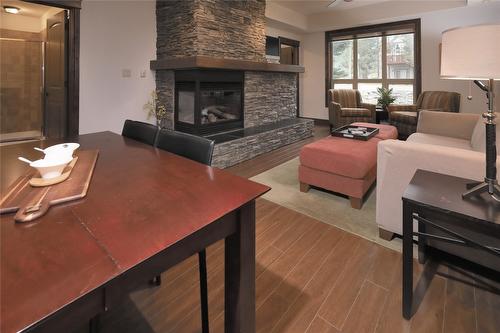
328, 66
288, 41
218, 63
296, 44
418, 59
58, 3
73, 118
367, 29
373, 28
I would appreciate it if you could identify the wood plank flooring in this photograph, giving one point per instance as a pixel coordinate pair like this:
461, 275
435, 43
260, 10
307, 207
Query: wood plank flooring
312, 277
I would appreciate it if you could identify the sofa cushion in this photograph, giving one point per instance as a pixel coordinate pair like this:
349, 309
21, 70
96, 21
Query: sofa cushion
355, 112
478, 140
439, 140
404, 117
346, 157
385, 131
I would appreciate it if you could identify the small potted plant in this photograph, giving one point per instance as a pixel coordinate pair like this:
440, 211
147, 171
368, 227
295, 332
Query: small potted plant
156, 110
385, 97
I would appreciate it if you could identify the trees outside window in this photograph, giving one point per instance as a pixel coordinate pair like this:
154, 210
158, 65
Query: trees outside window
367, 58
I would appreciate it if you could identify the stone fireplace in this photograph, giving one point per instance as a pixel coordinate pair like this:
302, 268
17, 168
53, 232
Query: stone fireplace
213, 78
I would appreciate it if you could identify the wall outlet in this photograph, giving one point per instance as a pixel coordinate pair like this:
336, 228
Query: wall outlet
143, 74
126, 73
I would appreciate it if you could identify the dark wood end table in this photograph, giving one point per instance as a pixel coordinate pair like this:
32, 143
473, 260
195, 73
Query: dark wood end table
469, 229
381, 115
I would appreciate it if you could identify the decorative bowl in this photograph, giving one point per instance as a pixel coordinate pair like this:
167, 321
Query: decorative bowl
60, 151
52, 167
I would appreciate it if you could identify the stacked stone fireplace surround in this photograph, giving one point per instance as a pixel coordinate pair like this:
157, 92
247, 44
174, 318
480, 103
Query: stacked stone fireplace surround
230, 30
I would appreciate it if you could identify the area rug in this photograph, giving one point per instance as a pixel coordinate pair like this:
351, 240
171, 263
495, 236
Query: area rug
322, 205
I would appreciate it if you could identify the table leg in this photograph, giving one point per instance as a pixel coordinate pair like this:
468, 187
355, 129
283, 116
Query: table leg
422, 258
407, 260
240, 273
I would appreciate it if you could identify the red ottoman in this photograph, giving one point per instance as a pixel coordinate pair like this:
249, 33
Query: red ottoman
343, 165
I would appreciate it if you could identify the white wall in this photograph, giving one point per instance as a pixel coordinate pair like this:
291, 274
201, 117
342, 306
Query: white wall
115, 35
433, 24
275, 29
279, 13
312, 95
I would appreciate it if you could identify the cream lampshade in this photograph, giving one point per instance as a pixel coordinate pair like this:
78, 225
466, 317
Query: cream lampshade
471, 53
474, 53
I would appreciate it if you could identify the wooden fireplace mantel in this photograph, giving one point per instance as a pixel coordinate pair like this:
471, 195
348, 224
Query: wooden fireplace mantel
219, 63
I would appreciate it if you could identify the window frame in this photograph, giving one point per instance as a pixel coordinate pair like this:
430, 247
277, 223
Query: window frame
377, 30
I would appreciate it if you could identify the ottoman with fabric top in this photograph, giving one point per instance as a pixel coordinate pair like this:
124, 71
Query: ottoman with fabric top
342, 165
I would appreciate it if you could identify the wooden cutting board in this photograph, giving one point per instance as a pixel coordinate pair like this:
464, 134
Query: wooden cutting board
32, 202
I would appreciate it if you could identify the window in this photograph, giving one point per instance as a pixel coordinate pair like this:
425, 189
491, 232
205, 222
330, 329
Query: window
366, 58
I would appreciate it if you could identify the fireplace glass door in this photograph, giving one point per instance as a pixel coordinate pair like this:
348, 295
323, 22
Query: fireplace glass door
186, 102
204, 107
219, 102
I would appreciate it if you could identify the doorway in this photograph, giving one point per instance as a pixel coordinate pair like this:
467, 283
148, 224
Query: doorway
289, 55
36, 84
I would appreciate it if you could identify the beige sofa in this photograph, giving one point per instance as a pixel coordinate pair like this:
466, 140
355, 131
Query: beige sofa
448, 143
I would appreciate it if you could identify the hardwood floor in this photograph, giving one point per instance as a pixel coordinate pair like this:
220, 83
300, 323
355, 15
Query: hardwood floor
312, 277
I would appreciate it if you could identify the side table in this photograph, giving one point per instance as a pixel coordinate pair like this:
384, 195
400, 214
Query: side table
469, 229
381, 115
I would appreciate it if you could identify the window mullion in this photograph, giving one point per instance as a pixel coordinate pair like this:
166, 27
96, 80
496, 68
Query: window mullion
384, 61
355, 63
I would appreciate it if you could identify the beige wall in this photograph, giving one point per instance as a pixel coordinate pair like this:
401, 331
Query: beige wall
115, 35
313, 44
433, 23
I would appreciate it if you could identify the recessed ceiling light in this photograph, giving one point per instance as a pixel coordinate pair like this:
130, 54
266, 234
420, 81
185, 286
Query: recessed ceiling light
11, 9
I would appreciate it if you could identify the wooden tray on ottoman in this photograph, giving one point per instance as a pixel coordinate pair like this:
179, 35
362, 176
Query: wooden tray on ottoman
353, 132
32, 202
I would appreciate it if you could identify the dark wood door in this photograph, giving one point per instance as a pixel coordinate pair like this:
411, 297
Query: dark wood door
56, 76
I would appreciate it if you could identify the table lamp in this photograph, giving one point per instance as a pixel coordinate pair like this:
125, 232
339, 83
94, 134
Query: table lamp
473, 53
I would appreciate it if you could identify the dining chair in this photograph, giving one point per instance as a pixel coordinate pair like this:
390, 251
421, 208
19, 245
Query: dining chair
198, 149
140, 131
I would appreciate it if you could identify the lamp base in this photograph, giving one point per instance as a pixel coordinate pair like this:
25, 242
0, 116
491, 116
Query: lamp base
489, 185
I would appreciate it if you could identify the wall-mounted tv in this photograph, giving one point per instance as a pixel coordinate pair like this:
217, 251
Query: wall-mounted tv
272, 46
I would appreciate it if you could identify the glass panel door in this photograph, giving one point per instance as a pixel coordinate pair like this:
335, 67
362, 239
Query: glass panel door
21, 87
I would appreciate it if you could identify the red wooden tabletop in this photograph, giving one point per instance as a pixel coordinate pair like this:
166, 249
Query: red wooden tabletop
141, 200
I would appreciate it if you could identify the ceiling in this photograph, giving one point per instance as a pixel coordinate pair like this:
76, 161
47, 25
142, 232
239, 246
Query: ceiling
308, 7
27, 8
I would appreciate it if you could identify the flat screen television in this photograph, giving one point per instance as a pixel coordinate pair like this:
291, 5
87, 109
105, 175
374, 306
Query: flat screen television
272, 46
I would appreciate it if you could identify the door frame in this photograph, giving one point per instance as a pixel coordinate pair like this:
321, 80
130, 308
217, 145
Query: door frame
296, 44
73, 61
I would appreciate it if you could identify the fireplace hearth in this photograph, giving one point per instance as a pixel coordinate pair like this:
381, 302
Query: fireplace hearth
208, 101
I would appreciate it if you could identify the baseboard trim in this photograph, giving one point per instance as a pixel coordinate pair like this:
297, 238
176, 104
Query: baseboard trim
319, 122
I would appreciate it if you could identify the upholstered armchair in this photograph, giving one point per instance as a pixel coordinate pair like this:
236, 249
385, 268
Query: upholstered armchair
346, 107
405, 117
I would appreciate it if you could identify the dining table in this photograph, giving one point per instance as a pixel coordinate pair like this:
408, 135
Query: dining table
145, 211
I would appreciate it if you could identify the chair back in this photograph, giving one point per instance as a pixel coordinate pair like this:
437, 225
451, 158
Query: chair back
443, 100
194, 147
137, 130
347, 98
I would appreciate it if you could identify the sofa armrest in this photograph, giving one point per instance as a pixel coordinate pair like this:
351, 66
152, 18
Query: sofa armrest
397, 163
450, 124
371, 107
333, 113
402, 107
